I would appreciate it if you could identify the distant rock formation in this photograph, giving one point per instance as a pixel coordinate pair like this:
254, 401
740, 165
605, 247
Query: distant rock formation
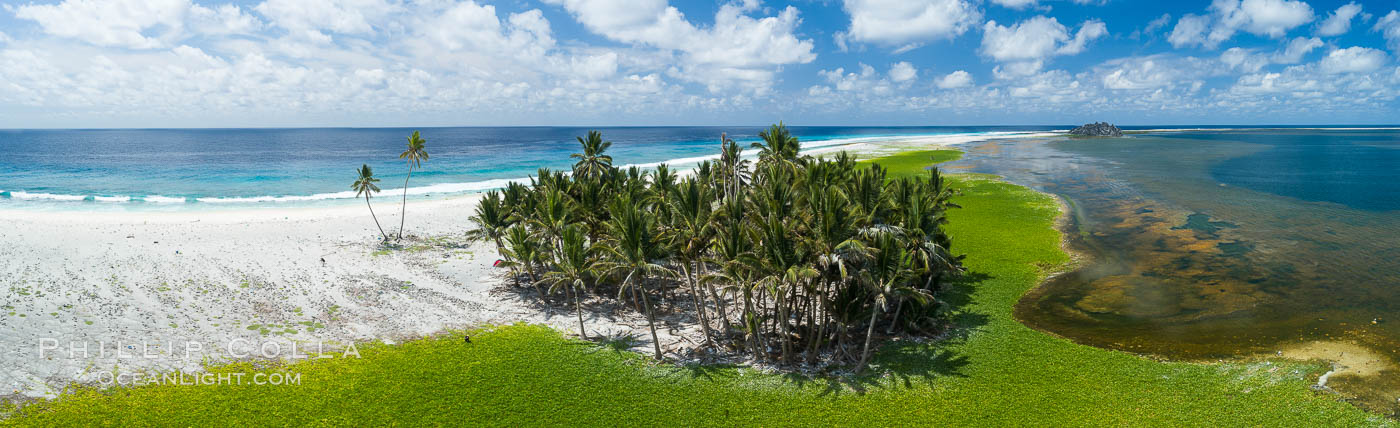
1101, 129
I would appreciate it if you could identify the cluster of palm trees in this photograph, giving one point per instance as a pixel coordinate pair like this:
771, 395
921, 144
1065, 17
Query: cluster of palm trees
364, 184
787, 257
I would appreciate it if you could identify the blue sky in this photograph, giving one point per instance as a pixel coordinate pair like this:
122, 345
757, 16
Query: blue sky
196, 63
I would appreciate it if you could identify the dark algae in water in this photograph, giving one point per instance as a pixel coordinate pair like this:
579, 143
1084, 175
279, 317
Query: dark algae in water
1199, 222
1206, 245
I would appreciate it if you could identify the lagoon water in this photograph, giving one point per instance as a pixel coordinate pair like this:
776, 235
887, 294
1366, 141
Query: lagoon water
1226, 243
204, 168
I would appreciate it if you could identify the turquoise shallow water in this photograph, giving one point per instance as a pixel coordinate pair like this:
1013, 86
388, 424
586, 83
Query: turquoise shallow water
212, 168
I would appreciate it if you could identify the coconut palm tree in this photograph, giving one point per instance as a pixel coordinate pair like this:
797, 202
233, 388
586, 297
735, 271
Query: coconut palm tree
733, 168
364, 185
886, 275
573, 265
780, 260
414, 155
832, 236
492, 219
553, 213
731, 249
522, 251
592, 162
591, 197
634, 250
691, 208
777, 145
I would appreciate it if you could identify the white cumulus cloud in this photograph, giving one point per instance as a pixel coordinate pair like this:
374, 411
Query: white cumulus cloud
1180, 76
1353, 60
1269, 18
338, 16
737, 51
1016, 4
1243, 59
1339, 22
136, 24
956, 79
1024, 46
1389, 27
898, 22
903, 71
1296, 49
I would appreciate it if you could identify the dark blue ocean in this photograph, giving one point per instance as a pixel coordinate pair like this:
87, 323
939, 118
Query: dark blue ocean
1359, 168
201, 168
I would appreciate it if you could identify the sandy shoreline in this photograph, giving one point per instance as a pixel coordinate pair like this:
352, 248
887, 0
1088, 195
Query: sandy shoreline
80, 287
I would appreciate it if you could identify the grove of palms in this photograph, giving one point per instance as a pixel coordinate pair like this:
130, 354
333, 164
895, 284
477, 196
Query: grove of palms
788, 257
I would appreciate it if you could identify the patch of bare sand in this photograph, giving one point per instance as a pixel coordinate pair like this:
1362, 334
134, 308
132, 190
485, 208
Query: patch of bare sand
1347, 358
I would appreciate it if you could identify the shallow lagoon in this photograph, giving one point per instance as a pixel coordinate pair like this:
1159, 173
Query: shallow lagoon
1216, 244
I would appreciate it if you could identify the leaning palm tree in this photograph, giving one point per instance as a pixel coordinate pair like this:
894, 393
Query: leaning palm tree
491, 219
886, 275
592, 162
574, 264
415, 155
364, 185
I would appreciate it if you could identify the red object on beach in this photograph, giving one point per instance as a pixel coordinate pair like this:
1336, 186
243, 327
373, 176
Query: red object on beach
497, 263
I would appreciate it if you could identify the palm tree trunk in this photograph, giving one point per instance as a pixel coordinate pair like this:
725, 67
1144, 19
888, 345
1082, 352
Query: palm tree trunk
750, 323
764, 326
636, 303
404, 211
535, 282
699, 300
376, 218
783, 314
869, 332
578, 309
897, 310
514, 273
719, 303
824, 318
819, 333
651, 322
723, 311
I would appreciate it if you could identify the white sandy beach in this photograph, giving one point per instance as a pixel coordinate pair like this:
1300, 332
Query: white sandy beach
155, 280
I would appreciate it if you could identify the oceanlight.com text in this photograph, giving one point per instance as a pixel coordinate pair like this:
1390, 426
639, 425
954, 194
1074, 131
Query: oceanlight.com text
182, 378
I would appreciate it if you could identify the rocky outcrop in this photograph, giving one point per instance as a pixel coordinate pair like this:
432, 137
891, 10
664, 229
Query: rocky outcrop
1101, 129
